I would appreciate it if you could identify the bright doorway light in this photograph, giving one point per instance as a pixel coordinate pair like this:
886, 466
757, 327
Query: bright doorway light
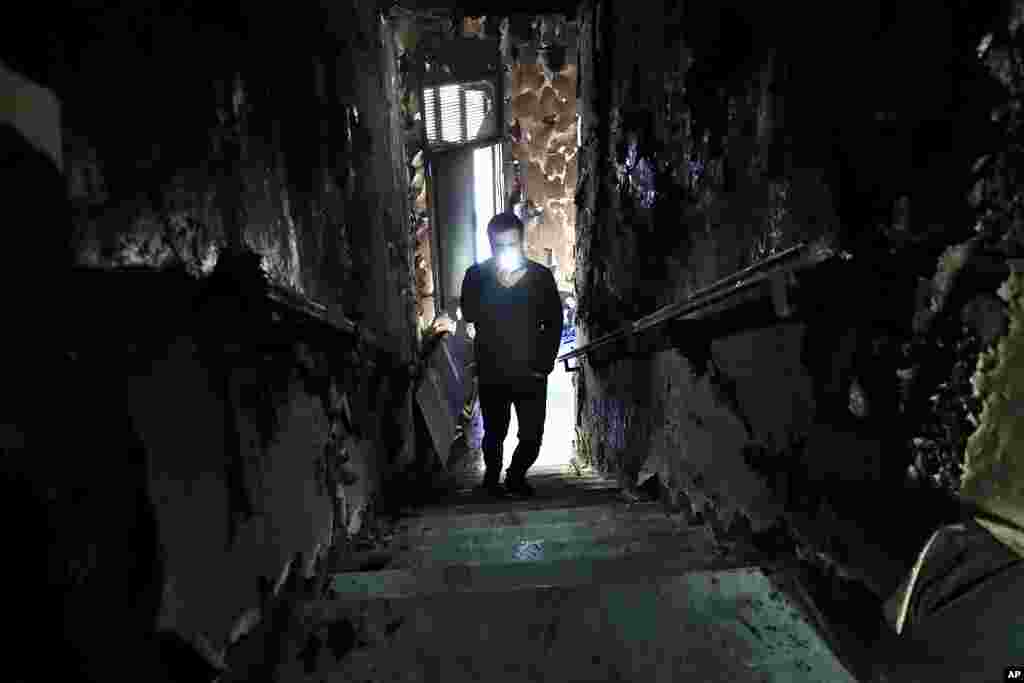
451, 128
485, 195
476, 112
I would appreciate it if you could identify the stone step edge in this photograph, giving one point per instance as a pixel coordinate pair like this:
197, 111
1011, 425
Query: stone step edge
545, 498
678, 539
591, 528
515, 517
497, 578
662, 532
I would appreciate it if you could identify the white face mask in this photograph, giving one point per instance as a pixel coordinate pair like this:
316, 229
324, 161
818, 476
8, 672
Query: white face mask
509, 259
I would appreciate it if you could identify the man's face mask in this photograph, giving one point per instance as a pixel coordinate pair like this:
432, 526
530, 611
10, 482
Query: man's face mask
509, 259
508, 250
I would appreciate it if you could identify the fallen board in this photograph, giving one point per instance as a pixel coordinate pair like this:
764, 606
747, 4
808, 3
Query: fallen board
442, 393
436, 413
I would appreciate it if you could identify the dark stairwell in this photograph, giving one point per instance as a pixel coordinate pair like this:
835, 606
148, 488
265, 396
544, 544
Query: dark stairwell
226, 248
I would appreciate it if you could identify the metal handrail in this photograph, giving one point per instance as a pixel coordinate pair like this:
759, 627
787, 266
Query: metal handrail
283, 298
313, 309
793, 258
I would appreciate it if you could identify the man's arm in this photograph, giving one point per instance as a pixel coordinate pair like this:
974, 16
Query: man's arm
551, 318
470, 297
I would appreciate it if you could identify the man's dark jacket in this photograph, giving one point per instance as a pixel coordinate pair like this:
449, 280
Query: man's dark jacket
518, 328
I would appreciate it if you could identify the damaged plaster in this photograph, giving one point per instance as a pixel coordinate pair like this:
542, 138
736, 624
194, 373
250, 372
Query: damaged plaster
713, 144
993, 476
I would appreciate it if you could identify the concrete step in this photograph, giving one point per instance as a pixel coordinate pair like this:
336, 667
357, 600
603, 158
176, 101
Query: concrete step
631, 620
471, 500
583, 530
555, 488
532, 572
557, 533
506, 527
552, 546
516, 514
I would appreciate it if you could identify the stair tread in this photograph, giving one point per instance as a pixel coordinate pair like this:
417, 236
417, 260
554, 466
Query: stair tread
521, 513
586, 529
546, 496
496, 578
507, 548
590, 528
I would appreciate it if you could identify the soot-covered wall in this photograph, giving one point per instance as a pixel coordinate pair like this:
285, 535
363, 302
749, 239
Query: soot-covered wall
211, 433
717, 134
223, 132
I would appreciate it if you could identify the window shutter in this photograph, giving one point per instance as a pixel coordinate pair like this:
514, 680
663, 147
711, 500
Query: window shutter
459, 113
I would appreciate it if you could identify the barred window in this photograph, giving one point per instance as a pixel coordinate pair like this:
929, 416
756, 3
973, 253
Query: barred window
459, 113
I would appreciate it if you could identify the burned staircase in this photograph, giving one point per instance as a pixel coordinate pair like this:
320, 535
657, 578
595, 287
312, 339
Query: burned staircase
575, 584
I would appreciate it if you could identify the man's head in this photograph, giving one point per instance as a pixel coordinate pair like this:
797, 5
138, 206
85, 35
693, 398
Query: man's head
505, 232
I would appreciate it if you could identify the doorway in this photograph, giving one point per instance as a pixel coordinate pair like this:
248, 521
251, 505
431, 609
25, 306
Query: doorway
528, 167
488, 194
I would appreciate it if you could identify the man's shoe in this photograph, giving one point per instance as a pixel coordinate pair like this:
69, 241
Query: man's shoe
519, 488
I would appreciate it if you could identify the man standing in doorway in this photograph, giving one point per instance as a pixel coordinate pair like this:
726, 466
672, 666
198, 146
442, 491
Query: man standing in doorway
514, 305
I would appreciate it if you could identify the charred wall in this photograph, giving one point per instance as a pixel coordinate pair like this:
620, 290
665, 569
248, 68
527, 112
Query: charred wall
191, 129
213, 156
718, 134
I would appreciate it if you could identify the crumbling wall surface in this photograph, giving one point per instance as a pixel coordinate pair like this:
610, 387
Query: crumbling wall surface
543, 115
281, 470
215, 435
255, 450
711, 140
229, 151
296, 154
221, 537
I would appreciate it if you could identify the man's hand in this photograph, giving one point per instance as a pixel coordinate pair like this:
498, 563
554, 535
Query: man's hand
443, 323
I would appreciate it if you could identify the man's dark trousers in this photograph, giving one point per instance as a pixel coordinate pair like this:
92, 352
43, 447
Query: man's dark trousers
529, 396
